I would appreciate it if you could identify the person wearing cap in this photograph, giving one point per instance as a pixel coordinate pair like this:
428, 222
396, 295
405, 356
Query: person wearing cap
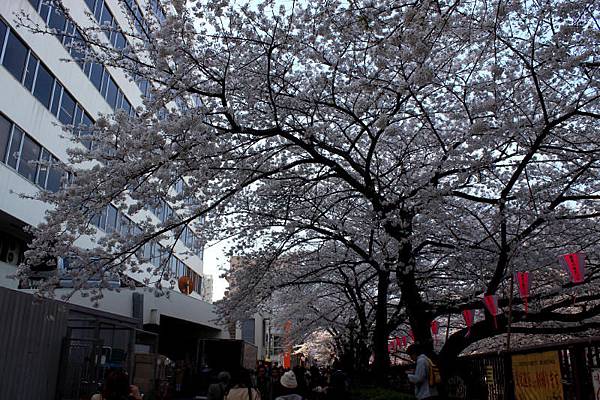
289, 386
420, 376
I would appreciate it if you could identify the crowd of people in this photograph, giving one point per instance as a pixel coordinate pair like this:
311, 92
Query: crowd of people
272, 382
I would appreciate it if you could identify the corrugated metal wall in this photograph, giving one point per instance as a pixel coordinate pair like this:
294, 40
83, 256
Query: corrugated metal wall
31, 336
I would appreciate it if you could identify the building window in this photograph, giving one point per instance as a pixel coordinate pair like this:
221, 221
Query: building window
30, 152
77, 47
43, 170
58, 88
15, 55
44, 82
119, 41
156, 252
111, 92
54, 177
111, 218
173, 266
91, 4
126, 106
67, 109
30, 72
57, 21
3, 31
15, 147
96, 75
5, 126
248, 330
35, 4
86, 120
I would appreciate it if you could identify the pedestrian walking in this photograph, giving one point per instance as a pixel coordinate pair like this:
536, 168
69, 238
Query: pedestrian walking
276, 388
217, 391
242, 387
289, 387
424, 376
179, 375
263, 383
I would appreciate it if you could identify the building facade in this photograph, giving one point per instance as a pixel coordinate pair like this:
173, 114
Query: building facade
40, 92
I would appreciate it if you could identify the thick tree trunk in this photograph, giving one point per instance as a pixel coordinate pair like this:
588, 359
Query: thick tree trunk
380, 338
419, 316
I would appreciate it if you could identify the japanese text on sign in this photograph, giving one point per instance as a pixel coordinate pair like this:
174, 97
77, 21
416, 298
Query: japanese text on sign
537, 376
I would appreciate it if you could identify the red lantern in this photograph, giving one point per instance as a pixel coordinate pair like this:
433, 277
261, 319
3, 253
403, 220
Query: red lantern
435, 327
412, 335
574, 263
404, 341
469, 316
398, 342
391, 346
523, 280
491, 304
185, 285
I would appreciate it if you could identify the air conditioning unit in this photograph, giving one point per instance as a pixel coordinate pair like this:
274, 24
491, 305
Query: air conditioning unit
13, 251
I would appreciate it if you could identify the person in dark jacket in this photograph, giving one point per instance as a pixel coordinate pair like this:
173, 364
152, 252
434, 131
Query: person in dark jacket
217, 391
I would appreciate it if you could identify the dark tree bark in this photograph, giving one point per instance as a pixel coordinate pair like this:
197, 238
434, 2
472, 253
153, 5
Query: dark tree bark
380, 340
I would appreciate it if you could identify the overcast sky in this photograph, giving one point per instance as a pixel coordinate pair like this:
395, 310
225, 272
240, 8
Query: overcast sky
214, 260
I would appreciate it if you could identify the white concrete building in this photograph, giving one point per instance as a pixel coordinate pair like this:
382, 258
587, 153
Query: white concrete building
39, 91
207, 288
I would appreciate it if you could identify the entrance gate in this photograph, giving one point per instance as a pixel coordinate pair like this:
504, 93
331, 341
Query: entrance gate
80, 372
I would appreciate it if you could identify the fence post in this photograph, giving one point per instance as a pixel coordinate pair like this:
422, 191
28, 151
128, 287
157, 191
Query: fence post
581, 373
509, 389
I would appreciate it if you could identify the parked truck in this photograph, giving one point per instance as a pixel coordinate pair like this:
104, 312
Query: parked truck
226, 354
216, 355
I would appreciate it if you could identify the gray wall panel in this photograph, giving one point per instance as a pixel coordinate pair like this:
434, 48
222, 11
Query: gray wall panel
31, 335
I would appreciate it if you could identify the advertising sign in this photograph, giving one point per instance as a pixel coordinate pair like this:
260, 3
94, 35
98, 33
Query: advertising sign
537, 376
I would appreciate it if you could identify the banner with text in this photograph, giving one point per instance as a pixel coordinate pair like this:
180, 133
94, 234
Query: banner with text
537, 376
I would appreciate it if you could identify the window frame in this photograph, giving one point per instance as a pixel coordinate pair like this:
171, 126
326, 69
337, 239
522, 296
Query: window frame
52, 85
9, 33
10, 153
20, 166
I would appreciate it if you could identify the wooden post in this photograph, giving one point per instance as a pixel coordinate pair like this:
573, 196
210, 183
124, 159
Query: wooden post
510, 303
507, 358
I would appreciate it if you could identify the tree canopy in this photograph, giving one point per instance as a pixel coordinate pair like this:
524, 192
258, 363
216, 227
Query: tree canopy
414, 154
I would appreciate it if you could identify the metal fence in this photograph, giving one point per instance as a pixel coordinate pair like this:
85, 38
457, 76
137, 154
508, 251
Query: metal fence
490, 376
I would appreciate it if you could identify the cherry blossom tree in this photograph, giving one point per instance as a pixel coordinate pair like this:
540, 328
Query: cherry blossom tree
461, 136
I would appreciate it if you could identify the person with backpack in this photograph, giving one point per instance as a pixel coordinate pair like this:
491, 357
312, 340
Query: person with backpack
425, 376
217, 391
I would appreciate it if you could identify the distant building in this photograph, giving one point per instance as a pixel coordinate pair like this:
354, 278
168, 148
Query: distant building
207, 288
260, 330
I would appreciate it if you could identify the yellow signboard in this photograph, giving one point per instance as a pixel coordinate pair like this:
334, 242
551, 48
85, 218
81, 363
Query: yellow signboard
537, 376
